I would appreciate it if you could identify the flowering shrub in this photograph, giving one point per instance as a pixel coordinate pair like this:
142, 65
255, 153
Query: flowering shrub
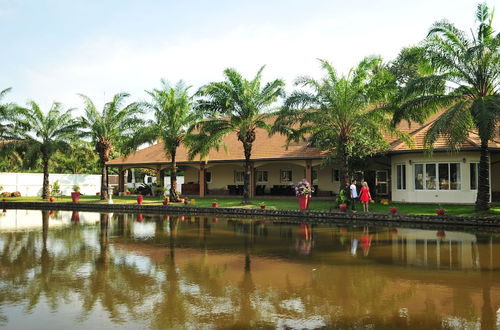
303, 188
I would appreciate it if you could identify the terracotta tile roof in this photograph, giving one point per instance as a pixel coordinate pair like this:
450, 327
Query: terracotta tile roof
264, 147
273, 147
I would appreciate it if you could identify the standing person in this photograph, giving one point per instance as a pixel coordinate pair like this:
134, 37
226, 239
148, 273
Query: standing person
354, 195
365, 196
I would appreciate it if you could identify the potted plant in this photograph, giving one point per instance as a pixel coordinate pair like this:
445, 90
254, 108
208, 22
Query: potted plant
186, 201
262, 205
56, 188
343, 207
192, 201
51, 199
440, 211
215, 203
393, 210
303, 190
140, 198
75, 195
166, 201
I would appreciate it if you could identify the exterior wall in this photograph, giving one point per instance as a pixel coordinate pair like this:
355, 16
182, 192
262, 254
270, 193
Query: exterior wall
464, 195
326, 180
30, 184
273, 169
495, 176
222, 175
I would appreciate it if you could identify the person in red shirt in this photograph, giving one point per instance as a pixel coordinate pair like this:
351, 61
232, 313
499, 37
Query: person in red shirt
365, 196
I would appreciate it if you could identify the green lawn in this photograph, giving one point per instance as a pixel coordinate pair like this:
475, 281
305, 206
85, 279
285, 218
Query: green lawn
286, 204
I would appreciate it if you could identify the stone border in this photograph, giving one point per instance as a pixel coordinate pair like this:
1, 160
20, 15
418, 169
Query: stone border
318, 216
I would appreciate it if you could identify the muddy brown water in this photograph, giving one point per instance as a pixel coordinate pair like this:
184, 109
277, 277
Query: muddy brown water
82, 270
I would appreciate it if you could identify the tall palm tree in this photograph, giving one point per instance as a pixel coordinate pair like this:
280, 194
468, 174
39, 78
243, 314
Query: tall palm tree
172, 108
4, 108
341, 114
42, 134
110, 130
235, 105
470, 68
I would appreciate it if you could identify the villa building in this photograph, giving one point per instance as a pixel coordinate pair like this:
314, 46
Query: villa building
403, 174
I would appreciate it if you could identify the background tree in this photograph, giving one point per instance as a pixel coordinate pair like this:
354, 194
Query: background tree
4, 113
470, 68
110, 130
235, 105
341, 114
172, 108
41, 135
79, 158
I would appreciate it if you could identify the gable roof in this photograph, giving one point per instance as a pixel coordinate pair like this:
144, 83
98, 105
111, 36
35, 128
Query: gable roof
273, 147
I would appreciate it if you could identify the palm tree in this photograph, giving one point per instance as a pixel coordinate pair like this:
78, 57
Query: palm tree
235, 105
110, 130
341, 114
173, 112
470, 67
42, 134
3, 111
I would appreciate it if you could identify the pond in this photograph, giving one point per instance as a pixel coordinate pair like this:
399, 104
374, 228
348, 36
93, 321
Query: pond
88, 270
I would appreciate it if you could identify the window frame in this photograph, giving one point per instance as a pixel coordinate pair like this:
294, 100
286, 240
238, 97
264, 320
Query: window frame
257, 176
281, 176
401, 183
236, 176
476, 167
436, 176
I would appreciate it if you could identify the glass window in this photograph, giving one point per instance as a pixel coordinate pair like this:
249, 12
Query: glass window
430, 176
208, 177
474, 170
262, 176
239, 176
401, 177
444, 177
285, 175
455, 180
336, 175
419, 176
315, 175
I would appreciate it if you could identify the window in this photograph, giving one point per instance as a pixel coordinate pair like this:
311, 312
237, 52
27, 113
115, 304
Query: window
315, 176
239, 176
262, 176
474, 175
335, 175
285, 175
433, 176
401, 177
208, 177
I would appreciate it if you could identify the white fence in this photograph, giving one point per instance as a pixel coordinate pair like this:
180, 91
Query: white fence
30, 184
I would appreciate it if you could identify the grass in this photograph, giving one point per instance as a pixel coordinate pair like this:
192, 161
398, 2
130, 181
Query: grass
284, 204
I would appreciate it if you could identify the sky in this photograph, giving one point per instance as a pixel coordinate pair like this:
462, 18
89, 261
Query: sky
53, 50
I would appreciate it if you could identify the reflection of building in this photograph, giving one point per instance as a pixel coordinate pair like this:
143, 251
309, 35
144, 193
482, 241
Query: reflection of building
431, 248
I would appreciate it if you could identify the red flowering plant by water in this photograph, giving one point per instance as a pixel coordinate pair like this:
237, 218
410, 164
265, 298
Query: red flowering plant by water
303, 188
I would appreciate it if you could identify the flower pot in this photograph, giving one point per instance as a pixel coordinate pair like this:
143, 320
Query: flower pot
440, 234
165, 202
343, 207
140, 198
262, 207
4, 200
51, 199
303, 202
440, 211
75, 196
215, 204
215, 220
167, 199
140, 217
186, 202
181, 200
393, 210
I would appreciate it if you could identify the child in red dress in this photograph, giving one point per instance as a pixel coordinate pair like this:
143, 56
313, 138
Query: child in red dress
365, 197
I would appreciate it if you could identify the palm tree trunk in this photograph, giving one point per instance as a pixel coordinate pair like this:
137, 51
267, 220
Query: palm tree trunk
246, 177
45, 187
174, 197
483, 189
104, 181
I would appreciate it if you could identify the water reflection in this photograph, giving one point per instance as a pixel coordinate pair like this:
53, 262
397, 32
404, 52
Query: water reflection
194, 272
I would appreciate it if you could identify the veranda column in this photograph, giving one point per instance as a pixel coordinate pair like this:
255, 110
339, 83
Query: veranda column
309, 171
121, 180
201, 180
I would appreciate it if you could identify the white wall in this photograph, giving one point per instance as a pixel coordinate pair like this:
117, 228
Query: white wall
464, 195
30, 184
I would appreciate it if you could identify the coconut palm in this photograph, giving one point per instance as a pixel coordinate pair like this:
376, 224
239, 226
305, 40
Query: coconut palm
110, 130
4, 108
341, 114
235, 105
172, 108
42, 134
470, 67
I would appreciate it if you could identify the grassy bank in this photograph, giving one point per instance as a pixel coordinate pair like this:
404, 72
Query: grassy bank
286, 204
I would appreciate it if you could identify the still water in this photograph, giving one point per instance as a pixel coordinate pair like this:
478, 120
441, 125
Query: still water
75, 270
